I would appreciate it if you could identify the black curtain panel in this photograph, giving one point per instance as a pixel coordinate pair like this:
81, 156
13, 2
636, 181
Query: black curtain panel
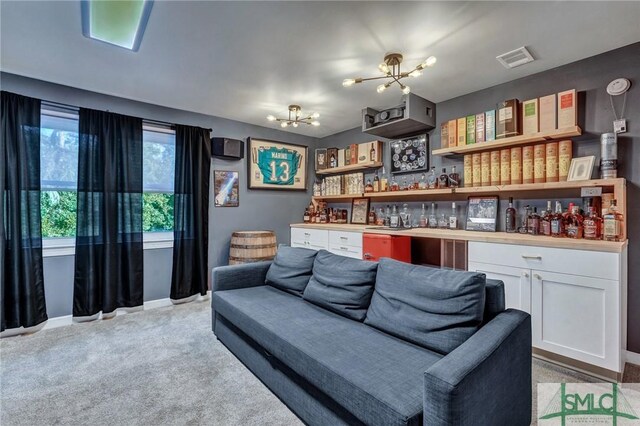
191, 212
109, 252
21, 282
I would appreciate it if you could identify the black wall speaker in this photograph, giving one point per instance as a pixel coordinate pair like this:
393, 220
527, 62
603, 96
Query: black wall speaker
232, 149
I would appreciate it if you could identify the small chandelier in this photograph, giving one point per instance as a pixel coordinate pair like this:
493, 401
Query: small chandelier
391, 70
295, 118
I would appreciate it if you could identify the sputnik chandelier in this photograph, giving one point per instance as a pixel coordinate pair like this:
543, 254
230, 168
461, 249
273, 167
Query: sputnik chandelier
295, 118
391, 70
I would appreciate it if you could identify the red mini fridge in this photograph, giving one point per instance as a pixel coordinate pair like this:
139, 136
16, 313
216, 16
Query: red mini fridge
375, 246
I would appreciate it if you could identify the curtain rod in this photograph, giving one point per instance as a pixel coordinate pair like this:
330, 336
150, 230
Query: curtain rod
148, 120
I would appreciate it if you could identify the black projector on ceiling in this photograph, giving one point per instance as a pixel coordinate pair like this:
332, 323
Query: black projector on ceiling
414, 115
230, 149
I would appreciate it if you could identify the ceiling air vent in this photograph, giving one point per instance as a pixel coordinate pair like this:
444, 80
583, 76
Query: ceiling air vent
515, 58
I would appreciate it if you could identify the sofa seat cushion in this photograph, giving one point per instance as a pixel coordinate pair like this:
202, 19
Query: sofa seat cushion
341, 284
291, 269
435, 308
376, 377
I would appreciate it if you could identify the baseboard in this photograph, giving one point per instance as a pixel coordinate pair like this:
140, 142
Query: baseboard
632, 357
68, 319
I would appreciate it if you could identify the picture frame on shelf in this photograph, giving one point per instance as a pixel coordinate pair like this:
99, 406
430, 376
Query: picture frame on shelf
409, 155
581, 168
360, 210
482, 214
276, 165
226, 188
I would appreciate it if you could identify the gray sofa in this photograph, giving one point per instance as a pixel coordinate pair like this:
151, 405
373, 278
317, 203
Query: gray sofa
344, 341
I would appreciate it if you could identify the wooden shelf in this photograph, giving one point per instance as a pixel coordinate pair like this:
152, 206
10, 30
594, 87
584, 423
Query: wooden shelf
564, 133
618, 186
350, 168
491, 237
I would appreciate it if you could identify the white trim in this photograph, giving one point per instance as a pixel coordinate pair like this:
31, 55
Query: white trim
157, 240
157, 128
69, 320
54, 247
632, 357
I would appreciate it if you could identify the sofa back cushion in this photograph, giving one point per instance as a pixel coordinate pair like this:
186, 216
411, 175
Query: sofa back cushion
341, 284
291, 269
434, 308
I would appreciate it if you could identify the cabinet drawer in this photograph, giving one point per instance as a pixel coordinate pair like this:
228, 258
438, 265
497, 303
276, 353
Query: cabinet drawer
567, 261
319, 238
342, 238
345, 250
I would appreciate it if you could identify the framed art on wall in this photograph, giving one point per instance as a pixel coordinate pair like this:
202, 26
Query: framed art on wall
360, 210
226, 188
581, 168
410, 155
276, 165
482, 214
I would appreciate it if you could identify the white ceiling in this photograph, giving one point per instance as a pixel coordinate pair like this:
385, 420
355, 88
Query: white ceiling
245, 60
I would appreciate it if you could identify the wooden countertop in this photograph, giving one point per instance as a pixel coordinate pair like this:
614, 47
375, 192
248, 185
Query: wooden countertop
489, 237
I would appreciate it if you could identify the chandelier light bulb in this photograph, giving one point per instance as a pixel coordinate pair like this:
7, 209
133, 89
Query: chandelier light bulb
348, 82
271, 118
415, 73
381, 88
284, 124
315, 115
384, 68
431, 60
315, 123
295, 124
406, 90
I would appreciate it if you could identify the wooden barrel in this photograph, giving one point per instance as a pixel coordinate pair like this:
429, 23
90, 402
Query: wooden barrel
252, 246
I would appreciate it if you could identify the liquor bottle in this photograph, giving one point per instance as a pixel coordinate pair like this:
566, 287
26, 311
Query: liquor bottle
384, 182
423, 182
394, 184
524, 228
369, 186
545, 221
454, 178
533, 222
323, 188
334, 216
592, 225
387, 216
575, 223
380, 217
432, 179
394, 219
372, 216
433, 221
323, 216
372, 152
306, 215
557, 222
423, 217
405, 216
612, 223
443, 179
404, 185
333, 162
443, 221
453, 217
510, 218
376, 183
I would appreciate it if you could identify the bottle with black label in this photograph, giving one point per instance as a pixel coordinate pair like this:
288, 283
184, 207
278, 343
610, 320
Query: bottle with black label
454, 178
510, 218
443, 179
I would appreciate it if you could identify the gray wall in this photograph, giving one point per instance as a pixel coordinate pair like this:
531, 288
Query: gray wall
589, 76
272, 210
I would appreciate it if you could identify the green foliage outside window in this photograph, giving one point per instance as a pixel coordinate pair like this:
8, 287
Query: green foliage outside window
157, 212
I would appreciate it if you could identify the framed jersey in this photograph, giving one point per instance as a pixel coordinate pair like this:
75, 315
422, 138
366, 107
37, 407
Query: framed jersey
276, 165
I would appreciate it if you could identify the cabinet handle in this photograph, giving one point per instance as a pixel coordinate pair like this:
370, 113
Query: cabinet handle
344, 238
525, 274
537, 276
367, 256
344, 248
524, 256
307, 234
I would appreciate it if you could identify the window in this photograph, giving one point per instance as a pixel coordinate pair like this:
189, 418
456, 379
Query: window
58, 173
59, 181
158, 170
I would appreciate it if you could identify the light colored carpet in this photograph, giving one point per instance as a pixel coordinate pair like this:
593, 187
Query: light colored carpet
157, 367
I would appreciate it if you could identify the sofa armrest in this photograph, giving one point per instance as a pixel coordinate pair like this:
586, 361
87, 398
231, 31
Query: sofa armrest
487, 379
239, 276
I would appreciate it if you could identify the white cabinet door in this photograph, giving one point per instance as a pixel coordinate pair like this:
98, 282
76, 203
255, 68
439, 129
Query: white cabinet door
316, 239
578, 317
348, 251
517, 283
343, 238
